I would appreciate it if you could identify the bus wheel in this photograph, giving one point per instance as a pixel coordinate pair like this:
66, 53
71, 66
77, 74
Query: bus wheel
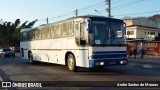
2, 56
30, 58
71, 63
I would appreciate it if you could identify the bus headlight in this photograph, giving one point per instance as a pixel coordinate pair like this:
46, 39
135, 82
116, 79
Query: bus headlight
123, 62
101, 63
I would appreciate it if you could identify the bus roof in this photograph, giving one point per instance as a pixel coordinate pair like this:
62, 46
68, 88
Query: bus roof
92, 17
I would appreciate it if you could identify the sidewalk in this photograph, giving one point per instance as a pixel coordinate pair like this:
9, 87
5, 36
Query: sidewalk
147, 62
147, 59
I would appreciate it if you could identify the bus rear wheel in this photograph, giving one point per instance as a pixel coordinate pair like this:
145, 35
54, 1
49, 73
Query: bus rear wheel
30, 58
71, 63
2, 55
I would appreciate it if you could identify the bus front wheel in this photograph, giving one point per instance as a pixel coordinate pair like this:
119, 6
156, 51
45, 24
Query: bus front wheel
71, 63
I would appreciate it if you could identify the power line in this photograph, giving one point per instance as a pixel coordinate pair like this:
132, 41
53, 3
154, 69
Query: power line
116, 1
94, 7
120, 6
138, 13
82, 10
127, 4
91, 6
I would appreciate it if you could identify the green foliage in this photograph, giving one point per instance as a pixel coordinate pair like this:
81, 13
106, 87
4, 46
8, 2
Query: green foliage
10, 32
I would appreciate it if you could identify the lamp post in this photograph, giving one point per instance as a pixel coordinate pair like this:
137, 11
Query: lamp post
98, 12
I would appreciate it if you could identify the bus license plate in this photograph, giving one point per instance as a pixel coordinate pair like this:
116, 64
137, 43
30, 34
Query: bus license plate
112, 63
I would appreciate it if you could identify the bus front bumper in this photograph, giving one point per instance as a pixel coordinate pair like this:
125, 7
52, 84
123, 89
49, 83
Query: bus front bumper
105, 63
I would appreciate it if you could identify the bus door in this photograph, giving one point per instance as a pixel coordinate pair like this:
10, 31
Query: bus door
81, 41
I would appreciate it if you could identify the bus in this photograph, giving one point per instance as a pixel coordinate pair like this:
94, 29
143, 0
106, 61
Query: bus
83, 41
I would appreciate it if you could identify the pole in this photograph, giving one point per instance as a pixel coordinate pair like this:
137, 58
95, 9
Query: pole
109, 8
47, 20
76, 12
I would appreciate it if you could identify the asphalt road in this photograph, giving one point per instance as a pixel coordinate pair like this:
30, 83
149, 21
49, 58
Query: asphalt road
17, 69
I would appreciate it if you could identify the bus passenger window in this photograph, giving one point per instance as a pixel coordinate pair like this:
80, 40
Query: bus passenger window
52, 31
70, 29
64, 29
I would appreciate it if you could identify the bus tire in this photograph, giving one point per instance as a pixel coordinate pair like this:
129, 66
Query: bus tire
30, 58
2, 56
71, 63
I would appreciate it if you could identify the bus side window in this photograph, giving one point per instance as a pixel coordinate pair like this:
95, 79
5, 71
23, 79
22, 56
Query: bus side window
24, 36
70, 29
39, 34
57, 31
64, 29
52, 31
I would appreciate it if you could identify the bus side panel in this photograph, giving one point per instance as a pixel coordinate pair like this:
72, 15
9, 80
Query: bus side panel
35, 48
24, 49
42, 51
83, 58
56, 48
80, 53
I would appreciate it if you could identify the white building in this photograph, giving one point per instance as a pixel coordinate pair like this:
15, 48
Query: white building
142, 28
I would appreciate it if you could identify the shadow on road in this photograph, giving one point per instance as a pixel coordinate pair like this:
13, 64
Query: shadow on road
112, 70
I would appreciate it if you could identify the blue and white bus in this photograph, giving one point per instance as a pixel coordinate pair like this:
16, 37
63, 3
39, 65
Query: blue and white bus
84, 41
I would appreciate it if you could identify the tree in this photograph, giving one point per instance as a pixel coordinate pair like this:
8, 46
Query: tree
10, 32
156, 18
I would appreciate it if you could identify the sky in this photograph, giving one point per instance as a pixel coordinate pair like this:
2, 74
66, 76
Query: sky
56, 10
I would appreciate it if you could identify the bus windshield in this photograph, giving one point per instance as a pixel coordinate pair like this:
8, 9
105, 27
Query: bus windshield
107, 33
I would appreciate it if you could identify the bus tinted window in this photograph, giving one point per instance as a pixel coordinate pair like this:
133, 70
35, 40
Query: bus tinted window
45, 33
57, 31
67, 29
70, 29
52, 31
38, 34
31, 35
64, 29
24, 36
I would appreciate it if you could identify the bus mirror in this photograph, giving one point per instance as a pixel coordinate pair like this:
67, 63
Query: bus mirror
82, 42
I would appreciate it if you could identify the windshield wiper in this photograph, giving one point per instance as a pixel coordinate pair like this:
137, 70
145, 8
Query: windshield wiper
119, 43
105, 38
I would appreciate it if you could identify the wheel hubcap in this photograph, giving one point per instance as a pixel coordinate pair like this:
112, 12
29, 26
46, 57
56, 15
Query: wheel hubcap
70, 63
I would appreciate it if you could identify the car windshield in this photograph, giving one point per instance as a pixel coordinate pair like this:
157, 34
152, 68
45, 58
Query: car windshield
7, 49
105, 33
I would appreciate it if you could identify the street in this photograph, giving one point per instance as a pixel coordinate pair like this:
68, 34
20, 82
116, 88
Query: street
17, 69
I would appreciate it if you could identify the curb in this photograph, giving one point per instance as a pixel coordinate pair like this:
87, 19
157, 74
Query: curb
146, 66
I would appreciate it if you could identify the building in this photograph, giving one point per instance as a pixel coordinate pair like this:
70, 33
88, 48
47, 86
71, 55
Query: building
141, 28
143, 33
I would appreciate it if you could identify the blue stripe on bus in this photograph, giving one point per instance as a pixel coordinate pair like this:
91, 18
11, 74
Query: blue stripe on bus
98, 56
111, 52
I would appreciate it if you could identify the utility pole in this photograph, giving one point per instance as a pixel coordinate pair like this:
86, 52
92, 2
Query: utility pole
76, 12
109, 7
47, 20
